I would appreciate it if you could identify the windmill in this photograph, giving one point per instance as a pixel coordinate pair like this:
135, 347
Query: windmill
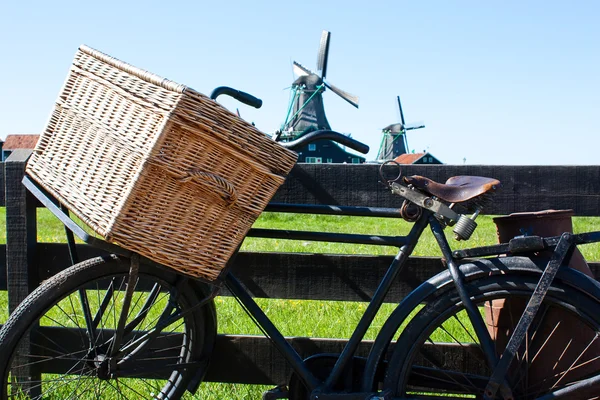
394, 141
306, 112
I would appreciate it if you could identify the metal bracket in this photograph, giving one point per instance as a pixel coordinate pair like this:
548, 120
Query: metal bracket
424, 201
562, 252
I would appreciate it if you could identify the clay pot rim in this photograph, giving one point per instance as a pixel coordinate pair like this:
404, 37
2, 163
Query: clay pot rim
546, 214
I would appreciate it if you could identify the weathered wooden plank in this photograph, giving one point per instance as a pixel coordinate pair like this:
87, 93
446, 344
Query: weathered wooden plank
286, 275
524, 188
254, 360
235, 358
328, 277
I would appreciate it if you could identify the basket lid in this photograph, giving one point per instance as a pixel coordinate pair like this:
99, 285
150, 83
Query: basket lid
138, 72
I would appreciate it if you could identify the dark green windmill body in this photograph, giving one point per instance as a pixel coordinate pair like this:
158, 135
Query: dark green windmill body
394, 142
306, 112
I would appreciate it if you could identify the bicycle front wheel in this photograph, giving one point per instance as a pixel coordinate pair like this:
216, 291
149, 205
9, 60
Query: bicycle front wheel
438, 353
59, 343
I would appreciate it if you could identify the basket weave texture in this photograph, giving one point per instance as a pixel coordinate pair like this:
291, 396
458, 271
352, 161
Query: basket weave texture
155, 166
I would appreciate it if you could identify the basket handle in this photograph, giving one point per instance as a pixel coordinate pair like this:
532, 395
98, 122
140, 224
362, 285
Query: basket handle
212, 181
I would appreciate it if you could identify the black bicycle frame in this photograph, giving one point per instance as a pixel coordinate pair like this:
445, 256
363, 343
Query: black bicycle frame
406, 244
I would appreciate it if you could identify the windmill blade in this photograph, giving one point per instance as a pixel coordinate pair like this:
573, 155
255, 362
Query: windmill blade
323, 53
416, 125
301, 70
346, 96
401, 113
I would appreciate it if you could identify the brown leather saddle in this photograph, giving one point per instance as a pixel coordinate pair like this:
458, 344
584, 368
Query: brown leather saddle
456, 189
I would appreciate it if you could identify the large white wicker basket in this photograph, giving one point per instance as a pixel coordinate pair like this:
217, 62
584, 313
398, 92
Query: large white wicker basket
155, 166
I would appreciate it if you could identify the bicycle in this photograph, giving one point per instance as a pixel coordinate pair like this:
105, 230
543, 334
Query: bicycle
122, 313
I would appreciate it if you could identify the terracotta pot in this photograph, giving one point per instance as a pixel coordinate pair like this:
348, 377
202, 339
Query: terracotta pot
541, 223
565, 338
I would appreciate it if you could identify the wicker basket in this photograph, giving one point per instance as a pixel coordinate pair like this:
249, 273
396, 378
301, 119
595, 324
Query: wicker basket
155, 166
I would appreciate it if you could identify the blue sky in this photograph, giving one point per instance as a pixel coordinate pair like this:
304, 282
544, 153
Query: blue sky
507, 82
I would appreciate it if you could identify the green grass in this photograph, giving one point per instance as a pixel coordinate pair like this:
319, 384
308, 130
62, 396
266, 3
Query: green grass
309, 318
49, 229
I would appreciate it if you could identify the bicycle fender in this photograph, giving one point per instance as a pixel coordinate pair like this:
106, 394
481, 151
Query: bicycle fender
443, 282
210, 333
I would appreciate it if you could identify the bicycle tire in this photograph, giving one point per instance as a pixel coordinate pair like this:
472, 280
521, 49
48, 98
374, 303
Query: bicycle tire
422, 364
70, 365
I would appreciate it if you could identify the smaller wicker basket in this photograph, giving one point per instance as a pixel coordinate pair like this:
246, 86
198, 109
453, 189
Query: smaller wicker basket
155, 166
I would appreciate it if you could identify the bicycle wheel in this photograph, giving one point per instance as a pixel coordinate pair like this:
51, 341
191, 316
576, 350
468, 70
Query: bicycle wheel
55, 347
438, 353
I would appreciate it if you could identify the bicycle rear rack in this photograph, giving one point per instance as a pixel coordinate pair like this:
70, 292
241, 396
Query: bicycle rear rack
525, 244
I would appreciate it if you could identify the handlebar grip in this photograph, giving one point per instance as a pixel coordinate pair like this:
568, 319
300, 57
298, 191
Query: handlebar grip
243, 97
329, 135
247, 98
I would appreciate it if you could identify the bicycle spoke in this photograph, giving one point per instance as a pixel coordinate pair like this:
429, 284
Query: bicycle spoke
87, 314
101, 391
467, 331
462, 344
143, 313
526, 362
69, 372
58, 347
139, 344
75, 389
130, 327
427, 355
47, 359
122, 382
65, 313
571, 367
104, 303
38, 384
116, 385
113, 309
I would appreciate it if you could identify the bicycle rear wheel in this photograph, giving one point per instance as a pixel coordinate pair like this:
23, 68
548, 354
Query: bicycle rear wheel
438, 353
59, 342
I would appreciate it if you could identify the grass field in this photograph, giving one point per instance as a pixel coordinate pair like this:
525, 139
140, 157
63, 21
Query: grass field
310, 318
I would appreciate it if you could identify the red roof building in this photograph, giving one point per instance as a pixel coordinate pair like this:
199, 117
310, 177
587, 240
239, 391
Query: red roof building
417, 158
14, 142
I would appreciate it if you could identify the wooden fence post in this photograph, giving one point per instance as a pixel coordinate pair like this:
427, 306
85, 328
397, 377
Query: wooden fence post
21, 268
21, 231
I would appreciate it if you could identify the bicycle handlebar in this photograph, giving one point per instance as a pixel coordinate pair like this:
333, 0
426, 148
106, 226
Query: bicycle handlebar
255, 102
329, 135
244, 97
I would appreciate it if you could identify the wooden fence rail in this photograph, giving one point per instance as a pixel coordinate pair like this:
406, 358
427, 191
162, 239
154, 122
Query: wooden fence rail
251, 359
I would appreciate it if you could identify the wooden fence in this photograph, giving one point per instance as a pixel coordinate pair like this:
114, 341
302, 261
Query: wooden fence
252, 359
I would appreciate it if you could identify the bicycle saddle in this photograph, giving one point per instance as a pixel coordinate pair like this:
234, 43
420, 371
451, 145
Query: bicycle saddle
456, 189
